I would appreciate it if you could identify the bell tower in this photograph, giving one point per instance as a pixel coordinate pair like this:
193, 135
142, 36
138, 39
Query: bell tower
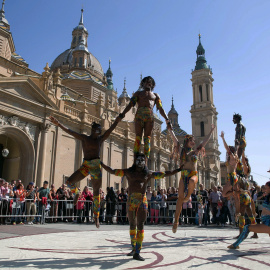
203, 115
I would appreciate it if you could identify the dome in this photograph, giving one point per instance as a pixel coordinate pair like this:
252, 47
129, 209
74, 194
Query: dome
124, 94
66, 58
177, 131
80, 27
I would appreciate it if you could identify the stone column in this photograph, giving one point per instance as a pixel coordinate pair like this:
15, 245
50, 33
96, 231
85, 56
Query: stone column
42, 153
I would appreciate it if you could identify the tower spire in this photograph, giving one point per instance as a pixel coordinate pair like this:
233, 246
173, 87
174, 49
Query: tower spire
201, 62
109, 76
81, 20
3, 21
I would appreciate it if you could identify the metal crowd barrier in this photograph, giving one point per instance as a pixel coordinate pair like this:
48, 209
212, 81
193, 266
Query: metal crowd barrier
13, 210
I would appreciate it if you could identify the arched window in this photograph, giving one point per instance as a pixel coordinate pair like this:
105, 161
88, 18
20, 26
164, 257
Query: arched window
75, 62
80, 37
81, 62
74, 40
202, 129
200, 93
207, 93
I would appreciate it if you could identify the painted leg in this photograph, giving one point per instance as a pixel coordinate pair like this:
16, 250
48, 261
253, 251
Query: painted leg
253, 222
137, 145
96, 210
241, 238
191, 186
147, 146
133, 239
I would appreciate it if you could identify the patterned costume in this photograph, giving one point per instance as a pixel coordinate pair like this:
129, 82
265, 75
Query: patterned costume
232, 178
93, 168
185, 176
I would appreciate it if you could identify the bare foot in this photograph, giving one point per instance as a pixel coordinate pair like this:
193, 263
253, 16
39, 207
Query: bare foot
175, 226
96, 221
255, 235
232, 247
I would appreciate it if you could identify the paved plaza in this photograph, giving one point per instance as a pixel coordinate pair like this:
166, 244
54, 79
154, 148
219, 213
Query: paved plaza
72, 246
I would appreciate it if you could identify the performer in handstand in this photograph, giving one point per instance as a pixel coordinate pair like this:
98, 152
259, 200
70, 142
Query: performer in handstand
138, 176
144, 118
240, 132
257, 228
246, 203
91, 164
231, 184
189, 174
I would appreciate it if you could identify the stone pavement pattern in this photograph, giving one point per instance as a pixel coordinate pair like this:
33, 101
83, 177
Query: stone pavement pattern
64, 246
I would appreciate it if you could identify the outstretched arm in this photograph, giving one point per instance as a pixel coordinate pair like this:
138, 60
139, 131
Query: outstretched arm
131, 104
224, 142
67, 130
117, 172
206, 139
159, 175
112, 127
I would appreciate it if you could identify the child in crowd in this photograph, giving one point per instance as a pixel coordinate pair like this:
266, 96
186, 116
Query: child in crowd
80, 207
201, 212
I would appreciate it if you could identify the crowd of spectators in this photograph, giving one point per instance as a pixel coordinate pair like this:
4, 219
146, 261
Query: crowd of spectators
20, 205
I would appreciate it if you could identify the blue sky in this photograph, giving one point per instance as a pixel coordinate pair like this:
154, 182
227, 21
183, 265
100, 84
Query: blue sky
159, 38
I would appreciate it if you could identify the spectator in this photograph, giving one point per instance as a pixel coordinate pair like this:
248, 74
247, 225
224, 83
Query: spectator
172, 198
187, 212
122, 200
20, 195
80, 207
4, 196
214, 198
231, 207
88, 196
163, 205
203, 193
110, 205
220, 214
158, 190
194, 209
54, 204
155, 206
62, 205
102, 205
42, 195
31, 207
148, 196
260, 198
201, 208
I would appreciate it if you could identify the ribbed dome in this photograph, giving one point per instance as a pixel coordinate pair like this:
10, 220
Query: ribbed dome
177, 131
66, 58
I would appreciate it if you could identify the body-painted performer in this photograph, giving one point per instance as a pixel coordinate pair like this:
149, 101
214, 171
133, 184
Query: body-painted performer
138, 176
231, 186
189, 174
144, 118
247, 205
240, 132
91, 164
257, 228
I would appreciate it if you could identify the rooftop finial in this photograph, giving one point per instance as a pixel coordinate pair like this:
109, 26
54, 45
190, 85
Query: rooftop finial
200, 38
124, 83
81, 20
110, 63
3, 4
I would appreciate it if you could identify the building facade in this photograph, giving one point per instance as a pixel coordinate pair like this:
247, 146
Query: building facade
76, 91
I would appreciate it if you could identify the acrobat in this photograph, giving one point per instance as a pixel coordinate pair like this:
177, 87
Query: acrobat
138, 176
144, 118
189, 174
91, 146
257, 228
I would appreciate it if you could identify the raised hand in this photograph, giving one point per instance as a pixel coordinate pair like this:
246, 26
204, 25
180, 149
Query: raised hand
222, 134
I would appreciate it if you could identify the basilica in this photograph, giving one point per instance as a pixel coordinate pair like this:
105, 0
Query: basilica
77, 91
